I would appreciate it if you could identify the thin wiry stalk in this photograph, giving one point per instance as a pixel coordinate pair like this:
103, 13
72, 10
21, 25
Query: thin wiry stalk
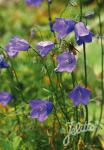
85, 64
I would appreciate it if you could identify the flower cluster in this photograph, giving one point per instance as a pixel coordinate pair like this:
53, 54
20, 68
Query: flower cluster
65, 26
66, 61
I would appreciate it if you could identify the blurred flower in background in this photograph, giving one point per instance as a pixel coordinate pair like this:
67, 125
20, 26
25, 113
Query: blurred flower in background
5, 98
34, 2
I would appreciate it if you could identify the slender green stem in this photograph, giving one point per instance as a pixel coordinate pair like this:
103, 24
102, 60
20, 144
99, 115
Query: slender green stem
49, 10
61, 14
50, 19
81, 10
74, 84
86, 108
85, 65
85, 70
73, 79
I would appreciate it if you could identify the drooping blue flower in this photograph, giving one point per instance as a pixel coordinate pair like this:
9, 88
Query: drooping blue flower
82, 34
40, 109
15, 45
80, 95
63, 27
3, 63
35, 3
5, 98
67, 62
44, 47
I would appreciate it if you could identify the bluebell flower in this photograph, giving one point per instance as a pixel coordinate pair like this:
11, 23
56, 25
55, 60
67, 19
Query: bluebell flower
44, 47
67, 62
40, 109
82, 34
80, 95
3, 63
35, 3
63, 27
15, 45
5, 98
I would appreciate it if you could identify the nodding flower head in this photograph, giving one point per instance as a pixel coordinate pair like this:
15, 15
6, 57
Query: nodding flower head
63, 27
44, 47
40, 109
67, 62
82, 34
15, 45
80, 95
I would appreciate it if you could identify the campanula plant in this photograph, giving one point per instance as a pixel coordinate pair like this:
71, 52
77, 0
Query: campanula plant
50, 103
